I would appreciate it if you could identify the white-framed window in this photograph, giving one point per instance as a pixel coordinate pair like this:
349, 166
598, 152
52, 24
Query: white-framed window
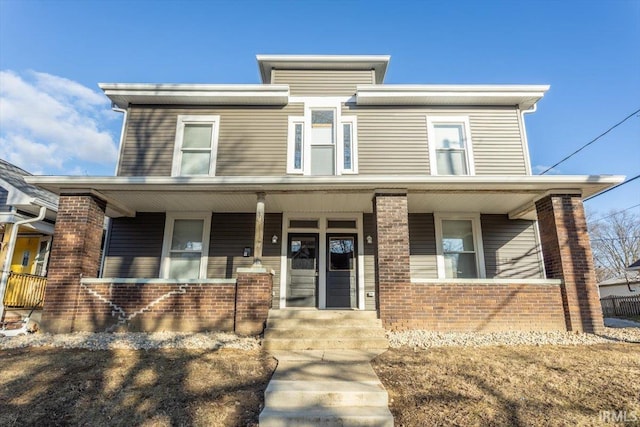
186, 245
322, 142
196, 145
450, 147
459, 246
295, 146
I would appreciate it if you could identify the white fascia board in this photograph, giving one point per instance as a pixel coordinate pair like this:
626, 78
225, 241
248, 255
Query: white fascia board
123, 94
329, 62
523, 95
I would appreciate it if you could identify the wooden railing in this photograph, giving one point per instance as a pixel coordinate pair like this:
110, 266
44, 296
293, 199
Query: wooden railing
24, 290
620, 306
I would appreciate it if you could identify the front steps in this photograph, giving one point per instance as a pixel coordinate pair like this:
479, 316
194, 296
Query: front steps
324, 330
324, 377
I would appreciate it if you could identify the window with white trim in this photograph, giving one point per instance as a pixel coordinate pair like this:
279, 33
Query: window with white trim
186, 245
459, 247
450, 148
322, 143
196, 145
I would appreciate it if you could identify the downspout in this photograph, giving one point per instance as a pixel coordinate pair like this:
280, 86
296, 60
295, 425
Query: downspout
523, 136
107, 237
12, 245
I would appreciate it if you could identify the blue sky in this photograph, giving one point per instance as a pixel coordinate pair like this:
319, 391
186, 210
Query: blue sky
54, 120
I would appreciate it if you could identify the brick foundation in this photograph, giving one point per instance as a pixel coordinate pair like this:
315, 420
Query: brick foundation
393, 276
567, 256
487, 307
75, 253
253, 300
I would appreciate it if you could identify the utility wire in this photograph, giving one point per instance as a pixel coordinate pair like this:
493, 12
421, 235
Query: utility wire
615, 213
612, 188
592, 141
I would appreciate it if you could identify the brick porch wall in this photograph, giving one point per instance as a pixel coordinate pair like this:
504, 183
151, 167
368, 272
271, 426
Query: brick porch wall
568, 257
487, 307
253, 300
393, 276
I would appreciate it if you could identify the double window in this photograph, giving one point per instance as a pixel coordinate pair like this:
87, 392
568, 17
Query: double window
450, 149
196, 145
322, 143
459, 247
186, 246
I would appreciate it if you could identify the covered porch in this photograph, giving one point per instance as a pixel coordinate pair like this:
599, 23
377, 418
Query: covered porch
391, 267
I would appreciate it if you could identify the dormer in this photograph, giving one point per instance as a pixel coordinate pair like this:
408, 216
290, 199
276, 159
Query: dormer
323, 75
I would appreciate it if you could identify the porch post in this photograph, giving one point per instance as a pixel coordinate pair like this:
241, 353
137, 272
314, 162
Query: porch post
259, 235
75, 253
567, 256
393, 276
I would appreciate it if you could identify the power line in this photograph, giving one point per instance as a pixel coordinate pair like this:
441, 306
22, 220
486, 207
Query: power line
615, 213
612, 188
592, 141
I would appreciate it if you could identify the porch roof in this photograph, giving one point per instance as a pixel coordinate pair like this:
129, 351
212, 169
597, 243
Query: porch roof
513, 195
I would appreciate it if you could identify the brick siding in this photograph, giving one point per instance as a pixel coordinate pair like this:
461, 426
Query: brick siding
253, 300
567, 256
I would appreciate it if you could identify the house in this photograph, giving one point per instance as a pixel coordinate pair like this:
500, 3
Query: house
27, 218
623, 286
323, 187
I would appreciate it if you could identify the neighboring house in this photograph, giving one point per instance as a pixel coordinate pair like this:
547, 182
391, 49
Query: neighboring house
27, 218
624, 286
323, 188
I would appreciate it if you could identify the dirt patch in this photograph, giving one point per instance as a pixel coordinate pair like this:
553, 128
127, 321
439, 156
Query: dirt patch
41, 386
513, 386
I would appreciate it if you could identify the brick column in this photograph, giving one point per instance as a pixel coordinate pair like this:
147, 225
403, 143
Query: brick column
75, 253
253, 300
567, 256
393, 276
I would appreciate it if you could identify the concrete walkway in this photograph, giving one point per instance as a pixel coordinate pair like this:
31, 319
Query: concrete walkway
327, 388
614, 322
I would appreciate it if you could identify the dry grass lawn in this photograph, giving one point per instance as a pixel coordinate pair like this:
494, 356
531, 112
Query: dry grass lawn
512, 386
125, 387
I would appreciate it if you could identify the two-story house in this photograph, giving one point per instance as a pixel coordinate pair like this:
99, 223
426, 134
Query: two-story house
323, 187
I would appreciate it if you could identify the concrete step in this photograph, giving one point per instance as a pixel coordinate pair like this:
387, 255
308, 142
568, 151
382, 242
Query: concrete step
319, 394
364, 322
321, 314
339, 416
326, 333
325, 343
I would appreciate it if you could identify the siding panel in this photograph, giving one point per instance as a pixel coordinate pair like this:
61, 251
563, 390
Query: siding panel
394, 139
135, 246
252, 140
322, 82
422, 246
511, 248
369, 229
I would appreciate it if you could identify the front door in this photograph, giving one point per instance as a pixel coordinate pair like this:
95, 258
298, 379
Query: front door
341, 271
302, 278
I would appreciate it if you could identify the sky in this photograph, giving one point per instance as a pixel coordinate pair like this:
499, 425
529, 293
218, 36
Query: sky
54, 120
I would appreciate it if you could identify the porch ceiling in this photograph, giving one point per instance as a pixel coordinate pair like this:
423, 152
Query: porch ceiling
486, 194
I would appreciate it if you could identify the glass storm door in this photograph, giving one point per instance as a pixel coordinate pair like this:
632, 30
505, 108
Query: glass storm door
341, 271
302, 277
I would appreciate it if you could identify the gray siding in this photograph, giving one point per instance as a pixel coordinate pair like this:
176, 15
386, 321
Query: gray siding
511, 248
394, 139
231, 233
252, 140
422, 246
135, 246
369, 229
322, 82
3, 200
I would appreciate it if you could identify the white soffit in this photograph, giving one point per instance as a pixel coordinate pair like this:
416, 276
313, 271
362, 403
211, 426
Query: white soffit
124, 94
524, 96
378, 63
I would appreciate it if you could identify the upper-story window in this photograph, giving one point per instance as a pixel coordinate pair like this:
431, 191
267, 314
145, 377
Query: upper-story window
322, 143
450, 148
196, 145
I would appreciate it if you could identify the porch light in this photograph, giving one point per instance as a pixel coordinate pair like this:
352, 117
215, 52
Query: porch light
369, 240
274, 239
